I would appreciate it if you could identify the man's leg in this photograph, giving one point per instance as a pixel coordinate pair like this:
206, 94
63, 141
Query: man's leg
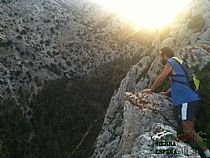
188, 113
188, 127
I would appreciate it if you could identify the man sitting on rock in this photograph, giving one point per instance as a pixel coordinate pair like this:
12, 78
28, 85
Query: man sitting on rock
183, 97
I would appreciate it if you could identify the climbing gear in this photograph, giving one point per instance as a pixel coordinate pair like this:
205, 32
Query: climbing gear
193, 81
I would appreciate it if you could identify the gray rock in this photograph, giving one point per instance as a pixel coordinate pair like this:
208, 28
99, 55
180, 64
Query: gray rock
205, 37
138, 128
169, 42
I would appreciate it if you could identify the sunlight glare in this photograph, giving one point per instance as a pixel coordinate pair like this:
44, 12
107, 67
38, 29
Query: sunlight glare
149, 14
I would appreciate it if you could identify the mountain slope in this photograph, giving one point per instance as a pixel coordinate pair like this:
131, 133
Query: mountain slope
48, 39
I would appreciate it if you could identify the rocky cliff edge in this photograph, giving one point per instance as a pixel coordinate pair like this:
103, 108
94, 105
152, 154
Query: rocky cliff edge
127, 130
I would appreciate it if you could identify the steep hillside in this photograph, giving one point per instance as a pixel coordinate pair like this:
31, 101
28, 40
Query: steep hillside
48, 39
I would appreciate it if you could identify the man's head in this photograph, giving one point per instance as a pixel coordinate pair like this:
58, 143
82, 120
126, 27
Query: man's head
165, 54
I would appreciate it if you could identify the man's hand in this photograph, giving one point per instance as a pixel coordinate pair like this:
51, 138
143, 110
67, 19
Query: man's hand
147, 90
163, 93
167, 93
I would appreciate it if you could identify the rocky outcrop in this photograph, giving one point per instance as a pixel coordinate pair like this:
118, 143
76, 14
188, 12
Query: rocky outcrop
134, 137
141, 127
191, 26
124, 124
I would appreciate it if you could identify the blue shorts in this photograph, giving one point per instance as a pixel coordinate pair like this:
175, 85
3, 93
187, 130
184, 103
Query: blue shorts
188, 111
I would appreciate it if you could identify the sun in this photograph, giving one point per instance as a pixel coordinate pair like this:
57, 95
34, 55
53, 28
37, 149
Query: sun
149, 14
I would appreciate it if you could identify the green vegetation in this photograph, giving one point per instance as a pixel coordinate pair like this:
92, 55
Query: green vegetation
14, 132
6, 1
6, 44
65, 112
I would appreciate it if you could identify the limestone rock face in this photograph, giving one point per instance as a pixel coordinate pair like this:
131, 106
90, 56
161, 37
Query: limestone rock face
136, 129
191, 27
137, 122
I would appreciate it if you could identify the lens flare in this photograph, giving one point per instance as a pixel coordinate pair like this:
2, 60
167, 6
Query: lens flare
149, 14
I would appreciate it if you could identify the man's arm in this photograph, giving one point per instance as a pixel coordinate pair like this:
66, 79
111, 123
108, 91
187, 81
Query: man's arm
159, 80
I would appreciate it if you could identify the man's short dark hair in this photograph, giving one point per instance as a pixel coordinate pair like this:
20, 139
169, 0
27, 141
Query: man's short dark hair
167, 51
